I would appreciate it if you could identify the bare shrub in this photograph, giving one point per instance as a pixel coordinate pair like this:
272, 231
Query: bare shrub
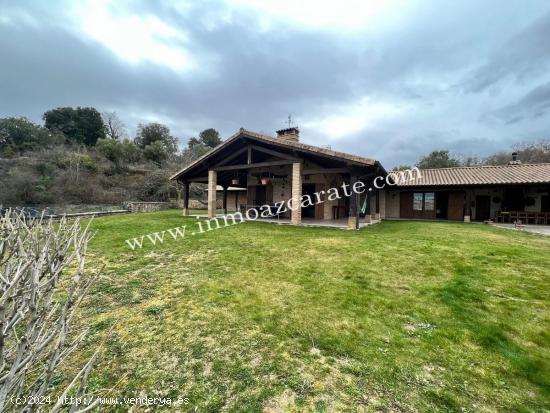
42, 282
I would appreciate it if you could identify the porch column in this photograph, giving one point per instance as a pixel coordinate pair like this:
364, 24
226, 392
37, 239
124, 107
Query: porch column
185, 211
212, 178
354, 206
225, 200
296, 214
382, 195
468, 207
368, 216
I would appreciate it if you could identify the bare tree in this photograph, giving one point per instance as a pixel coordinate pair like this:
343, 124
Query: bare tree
114, 127
42, 282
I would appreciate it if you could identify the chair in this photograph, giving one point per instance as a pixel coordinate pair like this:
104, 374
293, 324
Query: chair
541, 218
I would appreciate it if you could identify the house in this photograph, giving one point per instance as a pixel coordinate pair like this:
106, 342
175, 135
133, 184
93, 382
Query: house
249, 170
505, 192
281, 169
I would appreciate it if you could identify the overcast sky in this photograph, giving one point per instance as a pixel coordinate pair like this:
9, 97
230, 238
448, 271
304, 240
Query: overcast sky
390, 80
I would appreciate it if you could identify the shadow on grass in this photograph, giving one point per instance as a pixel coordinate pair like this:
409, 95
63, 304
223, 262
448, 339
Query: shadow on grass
466, 297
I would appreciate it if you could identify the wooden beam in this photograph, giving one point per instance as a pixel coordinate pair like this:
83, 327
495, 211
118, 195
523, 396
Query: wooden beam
253, 165
185, 198
273, 153
225, 200
326, 171
249, 157
232, 156
200, 179
354, 206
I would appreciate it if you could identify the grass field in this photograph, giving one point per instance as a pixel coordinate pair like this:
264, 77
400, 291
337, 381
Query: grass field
397, 317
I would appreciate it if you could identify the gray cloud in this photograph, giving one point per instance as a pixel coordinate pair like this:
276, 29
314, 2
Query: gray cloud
466, 77
533, 105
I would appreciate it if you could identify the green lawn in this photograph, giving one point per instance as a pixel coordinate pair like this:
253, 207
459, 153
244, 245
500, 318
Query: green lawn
397, 317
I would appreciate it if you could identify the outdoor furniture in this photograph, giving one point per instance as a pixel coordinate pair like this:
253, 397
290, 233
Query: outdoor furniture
542, 218
531, 216
503, 216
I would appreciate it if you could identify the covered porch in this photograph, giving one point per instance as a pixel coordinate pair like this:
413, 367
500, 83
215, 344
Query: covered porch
283, 171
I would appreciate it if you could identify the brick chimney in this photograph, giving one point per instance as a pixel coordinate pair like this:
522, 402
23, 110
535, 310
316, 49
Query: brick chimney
289, 134
515, 160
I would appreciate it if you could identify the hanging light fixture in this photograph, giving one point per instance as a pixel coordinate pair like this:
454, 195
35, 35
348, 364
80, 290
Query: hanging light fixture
264, 180
235, 181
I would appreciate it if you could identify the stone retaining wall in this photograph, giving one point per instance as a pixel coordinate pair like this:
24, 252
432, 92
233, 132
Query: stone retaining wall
146, 206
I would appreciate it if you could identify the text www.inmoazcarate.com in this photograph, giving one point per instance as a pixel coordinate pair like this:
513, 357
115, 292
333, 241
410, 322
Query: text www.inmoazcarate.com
266, 211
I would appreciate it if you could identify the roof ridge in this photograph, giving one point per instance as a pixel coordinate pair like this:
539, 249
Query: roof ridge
290, 144
483, 166
305, 145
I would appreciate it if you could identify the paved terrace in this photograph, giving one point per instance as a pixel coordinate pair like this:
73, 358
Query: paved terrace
306, 222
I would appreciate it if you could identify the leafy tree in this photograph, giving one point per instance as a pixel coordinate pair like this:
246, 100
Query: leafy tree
114, 127
80, 125
111, 149
156, 152
130, 152
210, 138
437, 159
401, 167
155, 132
193, 142
21, 134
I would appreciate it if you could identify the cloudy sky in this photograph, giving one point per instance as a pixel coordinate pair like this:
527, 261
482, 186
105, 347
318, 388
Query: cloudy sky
385, 79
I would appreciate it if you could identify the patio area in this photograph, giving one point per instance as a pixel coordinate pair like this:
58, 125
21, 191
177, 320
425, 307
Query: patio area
536, 229
306, 222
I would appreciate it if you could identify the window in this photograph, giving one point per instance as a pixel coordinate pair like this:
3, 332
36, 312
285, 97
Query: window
429, 201
424, 201
417, 201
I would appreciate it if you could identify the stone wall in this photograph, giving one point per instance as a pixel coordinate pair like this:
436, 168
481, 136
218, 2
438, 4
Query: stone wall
146, 206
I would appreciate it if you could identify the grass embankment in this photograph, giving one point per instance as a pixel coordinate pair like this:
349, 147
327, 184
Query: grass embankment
401, 316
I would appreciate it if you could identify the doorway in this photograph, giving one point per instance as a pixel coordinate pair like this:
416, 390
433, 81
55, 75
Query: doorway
260, 196
309, 211
483, 207
441, 205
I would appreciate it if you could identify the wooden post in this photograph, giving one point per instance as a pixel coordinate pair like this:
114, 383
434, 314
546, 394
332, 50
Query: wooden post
368, 216
212, 178
225, 199
354, 206
382, 195
185, 198
296, 214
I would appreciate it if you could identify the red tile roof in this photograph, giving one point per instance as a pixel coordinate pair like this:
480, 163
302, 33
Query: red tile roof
482, 175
